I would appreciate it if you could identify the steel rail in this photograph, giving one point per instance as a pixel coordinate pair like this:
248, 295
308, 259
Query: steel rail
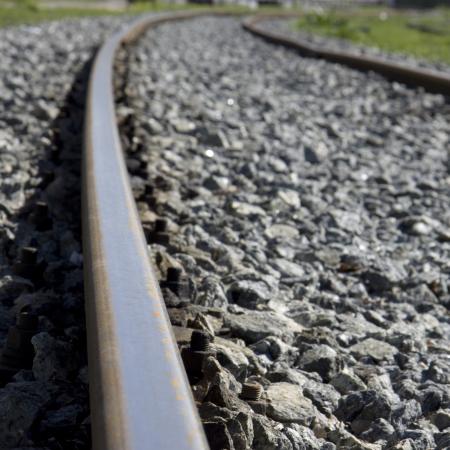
139, 394
431, 80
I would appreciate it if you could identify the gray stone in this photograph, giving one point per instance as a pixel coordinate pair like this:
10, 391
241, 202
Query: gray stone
247, 426
218, 435
302, 438
281, 231
287, 404
211, 293
438, 371
250, 294
375, 349
379, 430
406, 412
287, 268
257, 325
12, 286
247, 210
316, 154
61, 419
442, 440
267, 437
290, 197
416, 226
240, 440
362, 408
346, 382
347, 221
441, 419
183, 125
215, 183
421, 439
222, 392
210, 412
50, 361
20, 405
232, 357
213, 138
404, 444
287, 375
324, 396
345, 440
272, 347
321, 359
154, 126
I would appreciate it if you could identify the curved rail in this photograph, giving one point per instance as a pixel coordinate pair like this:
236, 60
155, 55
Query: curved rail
140, 397
431, 80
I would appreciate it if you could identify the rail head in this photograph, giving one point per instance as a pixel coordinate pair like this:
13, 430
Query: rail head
140, 397
432, 80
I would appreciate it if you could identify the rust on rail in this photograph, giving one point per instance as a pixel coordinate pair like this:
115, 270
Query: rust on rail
139, 394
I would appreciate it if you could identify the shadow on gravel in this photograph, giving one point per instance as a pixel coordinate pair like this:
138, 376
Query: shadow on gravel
49, 405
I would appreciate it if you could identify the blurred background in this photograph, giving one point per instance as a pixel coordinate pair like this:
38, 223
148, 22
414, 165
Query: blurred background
420, 28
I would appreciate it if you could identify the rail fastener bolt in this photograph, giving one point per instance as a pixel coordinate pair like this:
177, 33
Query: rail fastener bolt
27, 265
151, 200
149, 190
200, 341
251, 391
48, 176
194, 356
18, 351
159, 234
177, 282
40, 217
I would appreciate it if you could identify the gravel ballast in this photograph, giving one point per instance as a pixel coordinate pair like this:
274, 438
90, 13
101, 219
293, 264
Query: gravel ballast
308, 206
43, 78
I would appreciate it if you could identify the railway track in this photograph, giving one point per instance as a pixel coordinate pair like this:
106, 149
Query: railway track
276, 375
140, 396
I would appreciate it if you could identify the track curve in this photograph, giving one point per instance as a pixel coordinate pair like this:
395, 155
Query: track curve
140, 398
432, 80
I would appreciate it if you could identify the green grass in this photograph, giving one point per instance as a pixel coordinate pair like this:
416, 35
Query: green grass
424, 34
142, 7
29, 11
18, 16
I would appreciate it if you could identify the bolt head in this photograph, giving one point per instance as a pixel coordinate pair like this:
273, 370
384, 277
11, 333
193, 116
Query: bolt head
174, 274
251, 391
160, 225
27, 321
200, 341
28, 255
